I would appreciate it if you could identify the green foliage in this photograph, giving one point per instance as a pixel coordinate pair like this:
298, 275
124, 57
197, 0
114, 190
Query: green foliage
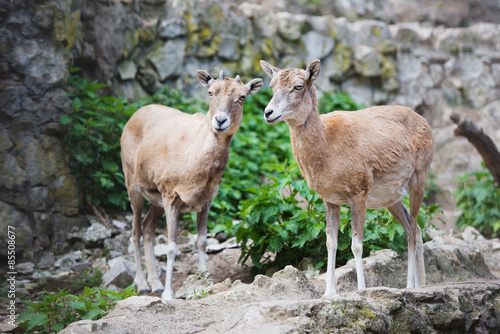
89, 279
93, 141
478, 197
93, 136
337, 101
275, 223
278, 230
200, 296
57, 310
310, 3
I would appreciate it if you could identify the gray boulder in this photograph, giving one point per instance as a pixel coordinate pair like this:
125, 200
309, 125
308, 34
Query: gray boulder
172, 28
489, 248
26, 268
96, 234
318, 45
167, 59
121, 273
69, 260
195, 286
290, 26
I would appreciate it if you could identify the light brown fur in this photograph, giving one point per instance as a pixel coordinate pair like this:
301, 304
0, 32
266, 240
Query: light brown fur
176, 161
366, 159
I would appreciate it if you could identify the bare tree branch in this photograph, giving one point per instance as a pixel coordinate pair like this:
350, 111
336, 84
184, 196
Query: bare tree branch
481, 141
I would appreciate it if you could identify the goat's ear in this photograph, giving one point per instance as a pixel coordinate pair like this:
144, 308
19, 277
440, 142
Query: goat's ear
312, 70
254, 86
205, 78
269, 69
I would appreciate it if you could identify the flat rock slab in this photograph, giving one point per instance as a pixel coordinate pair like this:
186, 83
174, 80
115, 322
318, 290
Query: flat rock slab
276, 305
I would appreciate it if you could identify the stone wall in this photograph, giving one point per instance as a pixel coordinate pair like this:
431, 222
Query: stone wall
38, 194
139, 45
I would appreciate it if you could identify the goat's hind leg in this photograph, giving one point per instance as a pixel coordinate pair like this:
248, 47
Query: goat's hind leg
402, 215
201, 223
150, 223
137, 204
417, 192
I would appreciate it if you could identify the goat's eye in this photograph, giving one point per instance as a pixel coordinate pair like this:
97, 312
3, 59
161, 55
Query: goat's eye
242, 98
210, 94
298, 87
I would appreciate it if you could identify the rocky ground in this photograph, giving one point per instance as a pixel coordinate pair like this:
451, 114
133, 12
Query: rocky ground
289, 303
462, 295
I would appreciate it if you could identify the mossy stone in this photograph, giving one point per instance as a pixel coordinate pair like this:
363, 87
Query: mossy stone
67, 195
45, 14
66, 28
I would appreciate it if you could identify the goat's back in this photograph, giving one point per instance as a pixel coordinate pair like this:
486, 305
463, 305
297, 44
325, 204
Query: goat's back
378, 130
377, 148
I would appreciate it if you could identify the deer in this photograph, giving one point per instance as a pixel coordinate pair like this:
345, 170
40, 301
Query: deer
366, 158
176, 161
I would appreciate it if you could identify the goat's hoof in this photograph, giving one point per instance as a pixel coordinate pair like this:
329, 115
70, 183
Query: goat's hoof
167, 295
155, 288
142, 287
143, 290
329, 295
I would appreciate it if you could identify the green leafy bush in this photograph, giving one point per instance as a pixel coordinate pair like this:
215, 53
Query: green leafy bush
89, 278
337, 101
274, 222
278, 230
94, 141
57, 310
478, 197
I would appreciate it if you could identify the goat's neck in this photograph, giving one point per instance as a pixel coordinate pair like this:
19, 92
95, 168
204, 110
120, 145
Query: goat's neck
308, 140
215, 145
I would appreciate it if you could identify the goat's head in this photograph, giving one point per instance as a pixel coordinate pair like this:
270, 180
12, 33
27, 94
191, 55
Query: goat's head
226, 100
293, 92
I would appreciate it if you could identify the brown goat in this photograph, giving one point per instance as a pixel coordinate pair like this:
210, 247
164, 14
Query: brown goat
176, 161
366, 158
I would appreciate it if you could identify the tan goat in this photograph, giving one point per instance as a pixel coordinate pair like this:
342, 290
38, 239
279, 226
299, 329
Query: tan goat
176, 161
366, 158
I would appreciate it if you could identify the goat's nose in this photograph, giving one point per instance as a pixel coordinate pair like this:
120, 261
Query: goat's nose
268, 113
220, 121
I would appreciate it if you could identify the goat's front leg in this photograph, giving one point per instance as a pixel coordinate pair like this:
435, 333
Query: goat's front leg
172, 207
332, 229
201, 222
358, 212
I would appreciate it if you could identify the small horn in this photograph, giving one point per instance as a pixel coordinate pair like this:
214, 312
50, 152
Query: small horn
221, 75
237, 79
